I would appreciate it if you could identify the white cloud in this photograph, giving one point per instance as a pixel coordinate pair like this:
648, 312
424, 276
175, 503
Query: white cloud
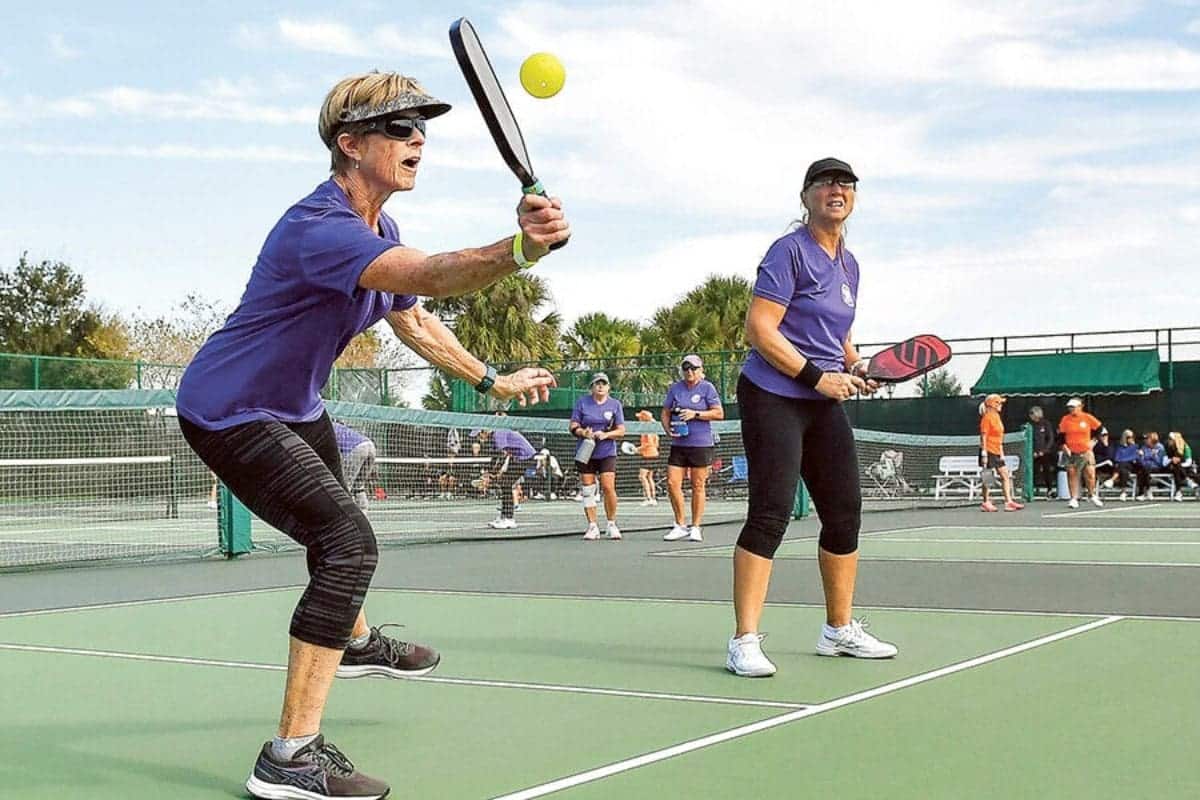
219, 100
1146, 65
61, 50
1193, 27
336, 38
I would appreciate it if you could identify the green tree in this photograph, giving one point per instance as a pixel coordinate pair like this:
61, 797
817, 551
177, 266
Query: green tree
167, 342
504, 324
710, 317
939, 383
44, 311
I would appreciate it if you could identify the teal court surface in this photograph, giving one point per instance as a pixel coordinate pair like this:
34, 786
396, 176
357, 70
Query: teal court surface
1041, 654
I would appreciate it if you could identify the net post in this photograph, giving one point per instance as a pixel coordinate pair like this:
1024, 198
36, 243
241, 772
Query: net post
233, 524
1027, 462
172, 490
800, 505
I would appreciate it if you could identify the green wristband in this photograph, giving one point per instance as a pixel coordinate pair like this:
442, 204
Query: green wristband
519, 252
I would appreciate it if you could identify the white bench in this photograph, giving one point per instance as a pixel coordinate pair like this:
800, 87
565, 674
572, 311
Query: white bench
960, 474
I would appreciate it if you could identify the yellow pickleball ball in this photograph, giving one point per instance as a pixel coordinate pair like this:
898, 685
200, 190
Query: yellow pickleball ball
543, 75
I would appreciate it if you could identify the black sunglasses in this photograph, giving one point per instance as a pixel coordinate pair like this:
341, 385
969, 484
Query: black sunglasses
824, 183
689, 368
396, 127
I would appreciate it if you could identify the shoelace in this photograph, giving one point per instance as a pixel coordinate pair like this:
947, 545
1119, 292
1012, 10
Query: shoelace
856, 631
394, 648
333, 760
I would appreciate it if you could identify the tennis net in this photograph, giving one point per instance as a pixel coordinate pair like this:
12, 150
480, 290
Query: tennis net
106, 475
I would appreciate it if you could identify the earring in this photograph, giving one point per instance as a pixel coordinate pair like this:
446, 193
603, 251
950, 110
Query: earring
356, 165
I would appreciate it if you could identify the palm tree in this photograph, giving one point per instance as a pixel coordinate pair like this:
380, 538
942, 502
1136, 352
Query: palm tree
599, 342
498, 324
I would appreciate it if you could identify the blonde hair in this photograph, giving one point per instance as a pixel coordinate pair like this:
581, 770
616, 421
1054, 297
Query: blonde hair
1126, 434
358, 91
1176, 439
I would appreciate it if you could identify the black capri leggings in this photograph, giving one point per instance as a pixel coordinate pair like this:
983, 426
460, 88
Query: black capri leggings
290, 475
786, 439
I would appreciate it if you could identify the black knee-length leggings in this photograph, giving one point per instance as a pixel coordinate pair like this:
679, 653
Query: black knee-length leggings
290, 475
786, 439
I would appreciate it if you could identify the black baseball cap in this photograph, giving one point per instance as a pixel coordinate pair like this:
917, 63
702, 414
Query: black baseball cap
824, 165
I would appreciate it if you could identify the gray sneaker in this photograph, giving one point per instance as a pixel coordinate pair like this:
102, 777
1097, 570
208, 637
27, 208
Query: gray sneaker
317, 770
389, 658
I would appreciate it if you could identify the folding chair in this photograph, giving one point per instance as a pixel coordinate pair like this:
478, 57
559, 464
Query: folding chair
887, 475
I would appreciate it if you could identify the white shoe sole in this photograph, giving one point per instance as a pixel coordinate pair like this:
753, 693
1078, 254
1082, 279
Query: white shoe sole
672, 537
378, 671
274, 791
825, 649
763, 673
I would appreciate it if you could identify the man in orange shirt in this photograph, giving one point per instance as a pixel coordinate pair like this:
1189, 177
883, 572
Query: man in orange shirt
1078, 429
991, 455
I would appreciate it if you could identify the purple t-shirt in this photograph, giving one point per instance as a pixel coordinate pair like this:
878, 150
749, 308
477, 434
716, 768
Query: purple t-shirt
820, 294
700, 397
599, 417
301, 307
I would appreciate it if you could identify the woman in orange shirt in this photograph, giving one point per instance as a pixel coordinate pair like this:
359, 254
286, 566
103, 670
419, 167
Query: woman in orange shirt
991, 454
648, 450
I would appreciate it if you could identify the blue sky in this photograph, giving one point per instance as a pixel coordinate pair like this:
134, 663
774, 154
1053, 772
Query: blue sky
1028, 168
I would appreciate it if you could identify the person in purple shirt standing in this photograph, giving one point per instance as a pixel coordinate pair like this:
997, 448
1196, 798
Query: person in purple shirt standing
249, 403
598, 421
802, 366
688, 412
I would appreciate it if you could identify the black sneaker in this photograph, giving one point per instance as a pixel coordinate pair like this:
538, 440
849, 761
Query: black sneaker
317, 770
389, 658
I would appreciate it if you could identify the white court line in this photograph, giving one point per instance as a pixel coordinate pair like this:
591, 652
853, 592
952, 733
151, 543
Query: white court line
147, 602
1152, 505
1020, 561
538, 687
783, 719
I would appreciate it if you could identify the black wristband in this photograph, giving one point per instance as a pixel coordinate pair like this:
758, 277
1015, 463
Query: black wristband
488, 380
810, 376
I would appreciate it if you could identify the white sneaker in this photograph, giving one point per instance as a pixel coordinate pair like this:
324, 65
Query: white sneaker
1073, 503
553, 496
1108, 484
592, 533
1141, 498
1096, 501
653, 501
500, 523
676, 533
1178, 497
694, 534
1124, 497
645, 503
612, 531
853, 640
746, 657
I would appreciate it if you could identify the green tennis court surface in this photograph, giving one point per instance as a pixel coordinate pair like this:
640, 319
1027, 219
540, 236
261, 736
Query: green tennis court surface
171, 699
1093, 544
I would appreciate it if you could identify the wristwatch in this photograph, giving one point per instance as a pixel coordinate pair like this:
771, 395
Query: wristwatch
488, 380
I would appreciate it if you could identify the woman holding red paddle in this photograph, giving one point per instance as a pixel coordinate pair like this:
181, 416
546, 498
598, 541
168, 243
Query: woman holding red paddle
802, 366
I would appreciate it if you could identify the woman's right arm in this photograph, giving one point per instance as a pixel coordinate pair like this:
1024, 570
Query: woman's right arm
763, 334
406, 270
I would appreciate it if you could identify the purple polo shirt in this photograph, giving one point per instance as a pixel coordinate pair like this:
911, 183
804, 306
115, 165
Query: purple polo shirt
820, 294
700, 397
599, 417
301, 307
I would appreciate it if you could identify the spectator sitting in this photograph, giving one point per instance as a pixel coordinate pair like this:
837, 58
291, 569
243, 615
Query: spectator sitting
1105, 454
1153, 457
1179, 462
1045, 452
1127, 464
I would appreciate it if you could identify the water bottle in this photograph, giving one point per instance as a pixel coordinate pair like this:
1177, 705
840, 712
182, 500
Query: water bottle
583, 453
679, 426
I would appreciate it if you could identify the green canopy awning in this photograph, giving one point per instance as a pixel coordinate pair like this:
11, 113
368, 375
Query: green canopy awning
1122, 372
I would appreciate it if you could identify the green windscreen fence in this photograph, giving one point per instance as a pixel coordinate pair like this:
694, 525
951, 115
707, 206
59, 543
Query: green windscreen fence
88, 476
1122, 372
